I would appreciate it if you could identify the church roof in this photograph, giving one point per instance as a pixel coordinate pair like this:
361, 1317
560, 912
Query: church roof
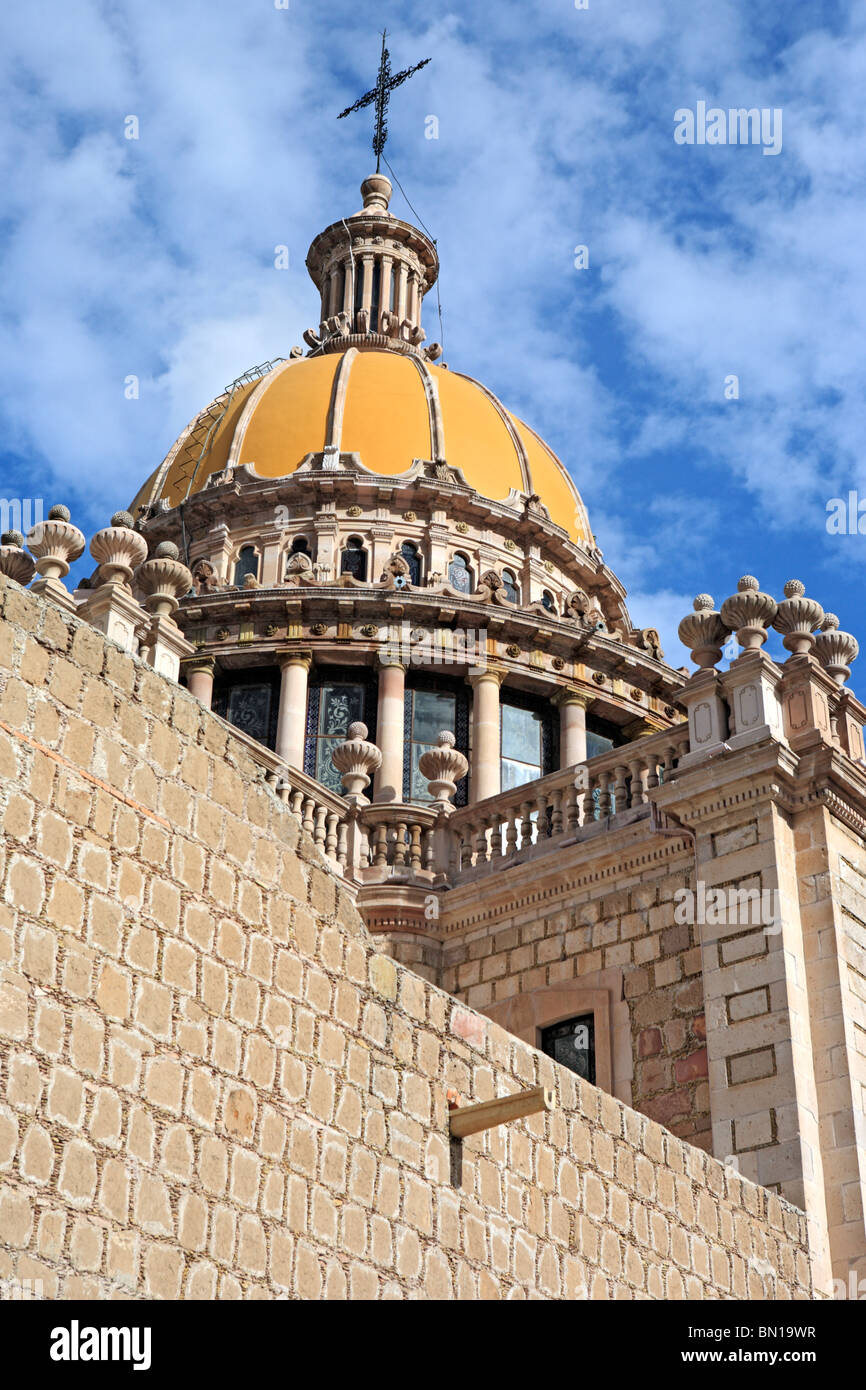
389, 410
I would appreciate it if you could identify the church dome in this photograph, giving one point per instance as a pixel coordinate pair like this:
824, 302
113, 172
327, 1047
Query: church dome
384, 408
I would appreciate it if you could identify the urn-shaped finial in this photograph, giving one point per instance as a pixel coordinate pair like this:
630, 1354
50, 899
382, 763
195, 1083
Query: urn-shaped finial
15, 563
835, 649
443, 766
119, 550
56, 543
704, 632
355, 760
749, 613
797, 617
163, 580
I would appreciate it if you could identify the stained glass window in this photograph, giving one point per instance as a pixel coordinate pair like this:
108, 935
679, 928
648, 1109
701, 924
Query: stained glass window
573, 1044
354, 558
247, 563
460, 575
428, 713
521, 745
249, 709
547, 601
339, 706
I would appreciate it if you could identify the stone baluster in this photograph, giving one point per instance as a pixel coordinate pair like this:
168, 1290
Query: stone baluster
525, 823
542, 822
603, 795
297, 802
15, 563
511, 830
331, 834
415, 845
620, 790
573, 808
320, 833
56, 543
638, 770
556, 815
307, 818
380, 846
342, 843
164, 580
400, 846
109, 604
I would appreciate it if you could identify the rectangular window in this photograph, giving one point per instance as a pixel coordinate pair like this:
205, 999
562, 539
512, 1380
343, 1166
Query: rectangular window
573, 1044
428, 712
339, 706
521, 745
249, 709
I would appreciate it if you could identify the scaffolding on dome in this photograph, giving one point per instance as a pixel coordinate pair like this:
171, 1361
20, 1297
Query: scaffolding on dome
201, 436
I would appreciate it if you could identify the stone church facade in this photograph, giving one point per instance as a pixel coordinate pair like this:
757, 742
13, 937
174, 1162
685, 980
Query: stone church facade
343, 790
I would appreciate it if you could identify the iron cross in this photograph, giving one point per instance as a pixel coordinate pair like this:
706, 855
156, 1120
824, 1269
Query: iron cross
381, 95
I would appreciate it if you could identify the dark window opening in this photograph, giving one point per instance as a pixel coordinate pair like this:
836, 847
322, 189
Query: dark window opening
510, 584
300, 546
573, 1044
249, 700
547, 601
413, 560
354, 558
247, 563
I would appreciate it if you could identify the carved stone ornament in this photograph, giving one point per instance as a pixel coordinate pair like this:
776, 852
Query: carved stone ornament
577, 605
163, 581
56, 543
299, 570
749, 613
119, 550
204, 578
491, 589
395, 575
15, 563
443, 766
704, 633
356, 760
835, 649
649, 641
797, 617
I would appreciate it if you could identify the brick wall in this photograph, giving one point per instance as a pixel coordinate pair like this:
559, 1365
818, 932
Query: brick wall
213, 1084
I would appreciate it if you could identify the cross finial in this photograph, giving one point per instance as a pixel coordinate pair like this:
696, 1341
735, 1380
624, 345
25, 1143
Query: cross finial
381, 95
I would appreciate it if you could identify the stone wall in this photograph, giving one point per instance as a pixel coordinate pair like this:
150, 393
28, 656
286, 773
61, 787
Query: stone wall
212, 1083
595, 923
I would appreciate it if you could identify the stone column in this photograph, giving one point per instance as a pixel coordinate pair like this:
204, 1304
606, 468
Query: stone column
199, 678
292, 714
367, 283
385, 286
389, 730
485, 774
402, 278
572, 726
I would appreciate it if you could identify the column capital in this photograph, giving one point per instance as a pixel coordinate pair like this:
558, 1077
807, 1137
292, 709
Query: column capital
491, 672
198, 663
570, 695
295, 656
383, 661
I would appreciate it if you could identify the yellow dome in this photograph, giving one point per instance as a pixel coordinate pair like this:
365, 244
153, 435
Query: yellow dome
387, 408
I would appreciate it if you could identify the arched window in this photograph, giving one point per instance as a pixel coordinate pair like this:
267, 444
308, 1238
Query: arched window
547, 601
413, 560
460, 575
247, 563
300, 546
354, 558
510, 583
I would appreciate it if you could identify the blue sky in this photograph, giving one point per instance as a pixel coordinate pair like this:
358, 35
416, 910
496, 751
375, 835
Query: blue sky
155, 257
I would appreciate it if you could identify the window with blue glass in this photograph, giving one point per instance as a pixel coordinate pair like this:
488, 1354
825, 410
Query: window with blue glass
460, 575
521, 745
353, 560
413, 560
339, 705
509, 583
428, 712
